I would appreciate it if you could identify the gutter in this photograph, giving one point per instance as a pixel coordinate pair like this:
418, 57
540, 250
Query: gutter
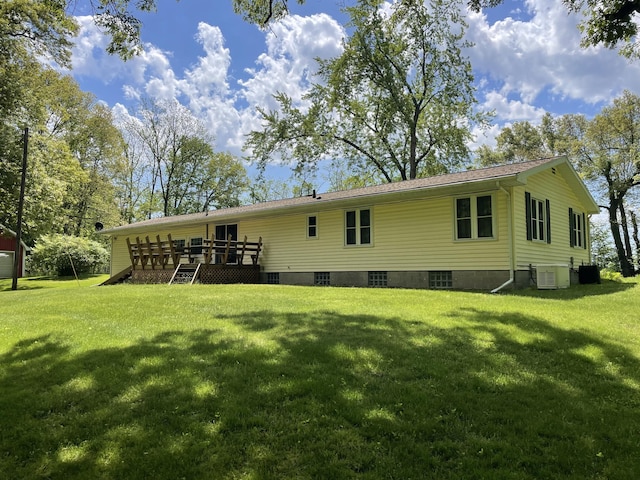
510, 239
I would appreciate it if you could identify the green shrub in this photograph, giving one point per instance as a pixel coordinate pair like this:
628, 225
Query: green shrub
54, 254
606, 274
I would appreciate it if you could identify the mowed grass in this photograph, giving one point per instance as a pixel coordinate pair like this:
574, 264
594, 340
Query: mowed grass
269, 381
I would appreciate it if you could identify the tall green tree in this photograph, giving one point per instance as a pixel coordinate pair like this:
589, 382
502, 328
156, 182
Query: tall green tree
182, 173
605, 150
608, 152
523, 141
73, 142
398, 101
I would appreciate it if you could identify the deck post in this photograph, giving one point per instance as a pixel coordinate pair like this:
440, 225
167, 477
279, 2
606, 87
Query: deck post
143, 257
226, 251
175, 258
210, 250
244, 246
150, 253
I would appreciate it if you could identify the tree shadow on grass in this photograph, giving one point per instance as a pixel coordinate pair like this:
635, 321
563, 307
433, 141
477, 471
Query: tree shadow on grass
607, 287
325, 395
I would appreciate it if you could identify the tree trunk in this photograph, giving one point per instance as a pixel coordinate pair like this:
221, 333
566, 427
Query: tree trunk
625, 267
636, 239
625, 232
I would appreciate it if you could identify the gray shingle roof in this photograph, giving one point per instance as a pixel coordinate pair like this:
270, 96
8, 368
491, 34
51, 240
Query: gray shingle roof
450, 179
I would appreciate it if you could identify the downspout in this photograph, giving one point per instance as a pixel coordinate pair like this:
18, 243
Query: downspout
510, 240
588, 240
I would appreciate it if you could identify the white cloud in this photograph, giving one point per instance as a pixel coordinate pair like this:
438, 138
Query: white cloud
523, 65
292, 45
209, 76
511, 110
289, 64
544, 54
88, 54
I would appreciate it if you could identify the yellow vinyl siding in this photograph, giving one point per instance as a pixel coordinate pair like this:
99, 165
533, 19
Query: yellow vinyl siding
547, 185
415, 235
406, 236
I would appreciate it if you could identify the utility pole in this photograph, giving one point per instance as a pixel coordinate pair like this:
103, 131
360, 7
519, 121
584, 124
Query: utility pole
23, 181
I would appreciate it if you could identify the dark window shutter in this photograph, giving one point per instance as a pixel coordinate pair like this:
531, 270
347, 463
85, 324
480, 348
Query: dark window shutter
527, 201
572, 241
548, 205
584, 231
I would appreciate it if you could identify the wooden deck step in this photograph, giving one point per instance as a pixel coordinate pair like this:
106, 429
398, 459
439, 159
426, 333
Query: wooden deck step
185, 273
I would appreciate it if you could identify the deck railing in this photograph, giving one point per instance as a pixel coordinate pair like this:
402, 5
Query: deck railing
165, 254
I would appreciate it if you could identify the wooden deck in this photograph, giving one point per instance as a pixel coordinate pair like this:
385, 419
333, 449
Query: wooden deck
215, 261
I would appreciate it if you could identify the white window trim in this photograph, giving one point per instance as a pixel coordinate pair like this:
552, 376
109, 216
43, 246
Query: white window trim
534, 212
314, 237
358, 243
191, 245
578, 234
474, 218
180, 240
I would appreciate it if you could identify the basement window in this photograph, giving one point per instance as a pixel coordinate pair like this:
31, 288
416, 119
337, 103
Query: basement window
377, 279
273, 278
440, 280
322, 278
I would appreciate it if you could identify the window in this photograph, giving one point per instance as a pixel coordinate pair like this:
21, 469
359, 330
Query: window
273, 278
358, 227
484, 217
577, 229
179, 245
537, 219
196, 245
463, 217
538, 213
474, 217
222, 233
441, 279
312, 226
322, 278
377, 279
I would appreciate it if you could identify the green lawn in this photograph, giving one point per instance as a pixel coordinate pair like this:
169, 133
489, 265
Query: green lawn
269, 381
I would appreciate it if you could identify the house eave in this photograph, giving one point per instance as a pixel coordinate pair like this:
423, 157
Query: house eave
570, 175
322, 201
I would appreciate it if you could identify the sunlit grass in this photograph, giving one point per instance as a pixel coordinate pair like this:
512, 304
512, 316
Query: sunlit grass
158, 381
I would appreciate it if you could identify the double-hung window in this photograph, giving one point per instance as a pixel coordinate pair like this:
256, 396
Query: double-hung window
577, 229
474, 217
312, 226
358, 227
538, 213
196, 245
537, 219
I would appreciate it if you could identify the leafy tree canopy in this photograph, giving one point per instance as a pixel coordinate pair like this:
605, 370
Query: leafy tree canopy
605, 151
399, 101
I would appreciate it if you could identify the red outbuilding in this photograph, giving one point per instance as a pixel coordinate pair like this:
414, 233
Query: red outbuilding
8, 240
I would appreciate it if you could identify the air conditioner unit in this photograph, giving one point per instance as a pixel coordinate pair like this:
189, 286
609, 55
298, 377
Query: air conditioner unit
551, 277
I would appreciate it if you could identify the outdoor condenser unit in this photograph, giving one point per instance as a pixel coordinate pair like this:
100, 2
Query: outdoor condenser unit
551, 277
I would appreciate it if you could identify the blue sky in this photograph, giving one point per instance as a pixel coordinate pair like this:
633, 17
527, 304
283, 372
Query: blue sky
526, 60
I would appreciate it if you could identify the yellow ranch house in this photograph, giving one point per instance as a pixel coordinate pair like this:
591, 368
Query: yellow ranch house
510, 226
